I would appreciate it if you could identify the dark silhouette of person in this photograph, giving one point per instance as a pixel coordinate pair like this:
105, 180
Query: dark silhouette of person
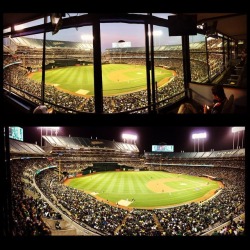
219, 99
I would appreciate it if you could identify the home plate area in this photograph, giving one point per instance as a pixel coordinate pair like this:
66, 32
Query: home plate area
124, 203
82, 91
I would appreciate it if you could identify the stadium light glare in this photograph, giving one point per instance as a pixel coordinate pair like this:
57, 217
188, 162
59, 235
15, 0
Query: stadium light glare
129, 138
157, 32
46, 129
199, 136
238, 130
87, 37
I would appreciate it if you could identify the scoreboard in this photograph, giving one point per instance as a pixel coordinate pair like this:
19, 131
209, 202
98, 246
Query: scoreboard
16, 133
121, 45
162, 148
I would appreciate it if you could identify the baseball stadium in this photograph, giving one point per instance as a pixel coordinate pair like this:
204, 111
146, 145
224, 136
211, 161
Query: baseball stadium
81, 186
69, 75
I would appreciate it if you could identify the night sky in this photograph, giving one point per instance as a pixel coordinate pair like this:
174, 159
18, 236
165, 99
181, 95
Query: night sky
218, 138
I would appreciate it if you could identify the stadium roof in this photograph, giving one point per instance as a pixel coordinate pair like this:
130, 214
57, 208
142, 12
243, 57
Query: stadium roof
233, 25
20, 147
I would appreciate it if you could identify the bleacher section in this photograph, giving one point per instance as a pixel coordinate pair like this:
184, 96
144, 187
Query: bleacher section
210, 154
224, 153
19, 147
38, 43
86, 143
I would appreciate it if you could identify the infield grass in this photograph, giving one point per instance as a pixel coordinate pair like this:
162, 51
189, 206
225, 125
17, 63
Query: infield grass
117, 78
148, 189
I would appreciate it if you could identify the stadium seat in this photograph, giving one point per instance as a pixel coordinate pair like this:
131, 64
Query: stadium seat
186, 108
229, 105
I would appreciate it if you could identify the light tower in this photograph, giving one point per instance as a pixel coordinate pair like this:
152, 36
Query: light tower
238, 130
198, 137
46, 129
129, 138
158, 33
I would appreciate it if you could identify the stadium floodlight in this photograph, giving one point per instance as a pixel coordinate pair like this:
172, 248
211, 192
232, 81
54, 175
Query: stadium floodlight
87, 37
238, 130
155, 33
158, 33
51, 129
129, 137
56, 129
46, 129
199, 136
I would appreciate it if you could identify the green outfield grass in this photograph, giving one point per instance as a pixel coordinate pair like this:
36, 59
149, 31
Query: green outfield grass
172, 189
117, 78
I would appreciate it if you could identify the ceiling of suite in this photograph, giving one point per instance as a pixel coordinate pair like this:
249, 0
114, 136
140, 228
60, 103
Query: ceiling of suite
231, 24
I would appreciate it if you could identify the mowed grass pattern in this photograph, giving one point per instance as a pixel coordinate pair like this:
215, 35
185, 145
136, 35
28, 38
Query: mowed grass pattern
117, 78
116, 186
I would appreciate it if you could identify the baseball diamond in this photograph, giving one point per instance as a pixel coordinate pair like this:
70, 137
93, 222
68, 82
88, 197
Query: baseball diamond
118, 79
146, 189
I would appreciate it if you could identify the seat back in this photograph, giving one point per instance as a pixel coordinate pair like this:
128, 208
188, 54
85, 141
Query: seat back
186, 108
229, 105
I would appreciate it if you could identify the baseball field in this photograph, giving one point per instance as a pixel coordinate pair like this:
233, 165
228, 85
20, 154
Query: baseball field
118, 79
145, 189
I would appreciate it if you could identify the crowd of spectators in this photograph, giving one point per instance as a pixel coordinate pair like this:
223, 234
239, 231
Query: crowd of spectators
17, 76
31, 90
105, 218
27, 210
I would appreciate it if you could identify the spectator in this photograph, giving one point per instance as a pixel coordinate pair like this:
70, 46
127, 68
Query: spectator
57, 225
42, 109
186, 108
219, 99
243, 57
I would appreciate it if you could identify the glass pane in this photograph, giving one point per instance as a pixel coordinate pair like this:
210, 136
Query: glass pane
198, 58
29, 24
215, 56
226, 51
69, 70
162, 15
168, 66
6, 30
22, 58
123, 67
